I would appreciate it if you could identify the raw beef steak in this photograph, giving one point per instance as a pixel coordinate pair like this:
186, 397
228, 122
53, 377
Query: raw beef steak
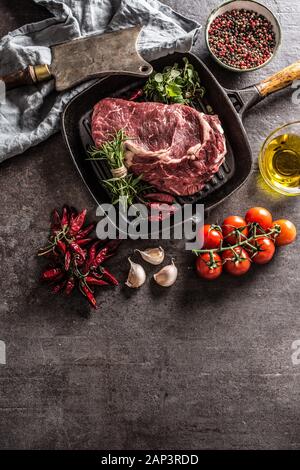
175, 148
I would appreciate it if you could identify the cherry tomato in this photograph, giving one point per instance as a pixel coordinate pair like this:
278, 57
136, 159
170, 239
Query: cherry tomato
236, 261
266, 250
209, 266
261, 216
212, 237
288, 232
234, 229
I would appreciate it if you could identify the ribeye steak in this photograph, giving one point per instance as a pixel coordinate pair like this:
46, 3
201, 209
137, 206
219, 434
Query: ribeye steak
176, 148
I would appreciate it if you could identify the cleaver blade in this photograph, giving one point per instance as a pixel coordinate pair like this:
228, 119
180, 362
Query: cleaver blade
82, 59
90, 57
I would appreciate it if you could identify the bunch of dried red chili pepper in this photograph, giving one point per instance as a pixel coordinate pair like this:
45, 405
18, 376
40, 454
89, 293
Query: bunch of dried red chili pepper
75, 258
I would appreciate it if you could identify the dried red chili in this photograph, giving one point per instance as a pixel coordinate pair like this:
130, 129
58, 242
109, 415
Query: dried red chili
84, 232
100, 257
52, 274
89, 295
109, 276
55, 221
136, 94
72, 265
95, 281
65, 217
92, 252
84, 241
76, 248
61, 246
67, 260
77, 222
70, 285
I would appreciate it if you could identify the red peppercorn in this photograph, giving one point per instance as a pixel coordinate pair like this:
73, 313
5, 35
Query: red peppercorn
237, 37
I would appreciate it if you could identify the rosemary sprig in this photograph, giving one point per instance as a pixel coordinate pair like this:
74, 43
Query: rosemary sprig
111, 151
124, 189
127, 187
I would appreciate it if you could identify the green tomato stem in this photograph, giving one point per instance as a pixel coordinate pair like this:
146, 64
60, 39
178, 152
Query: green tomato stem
275, 230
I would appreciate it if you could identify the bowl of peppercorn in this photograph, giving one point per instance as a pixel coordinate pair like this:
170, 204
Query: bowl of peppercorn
243, 35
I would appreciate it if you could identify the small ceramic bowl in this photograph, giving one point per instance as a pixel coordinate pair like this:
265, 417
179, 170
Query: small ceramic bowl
247, 5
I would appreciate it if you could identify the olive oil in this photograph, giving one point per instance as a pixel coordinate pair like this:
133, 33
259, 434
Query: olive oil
280, 164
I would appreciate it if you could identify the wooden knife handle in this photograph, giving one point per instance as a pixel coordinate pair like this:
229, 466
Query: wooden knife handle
31, 75
280, 80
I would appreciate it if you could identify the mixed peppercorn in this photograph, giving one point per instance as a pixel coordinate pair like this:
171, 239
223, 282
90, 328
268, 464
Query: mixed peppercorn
242, 39
75, 259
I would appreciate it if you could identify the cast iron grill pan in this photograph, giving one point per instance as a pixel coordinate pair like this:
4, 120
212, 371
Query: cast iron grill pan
77, 133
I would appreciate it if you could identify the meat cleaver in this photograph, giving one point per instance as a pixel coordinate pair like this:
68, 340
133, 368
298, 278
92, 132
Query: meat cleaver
82, 59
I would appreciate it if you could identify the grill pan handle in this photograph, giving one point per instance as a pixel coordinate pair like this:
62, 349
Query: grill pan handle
246, 98
279, 80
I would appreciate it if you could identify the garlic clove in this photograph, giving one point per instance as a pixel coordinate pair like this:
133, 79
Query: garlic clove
167, 275
153, 255
136, 275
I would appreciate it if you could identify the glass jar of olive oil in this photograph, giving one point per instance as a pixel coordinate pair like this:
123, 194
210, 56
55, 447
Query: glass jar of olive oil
279, 160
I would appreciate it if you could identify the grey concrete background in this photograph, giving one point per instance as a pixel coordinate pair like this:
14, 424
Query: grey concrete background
199, 366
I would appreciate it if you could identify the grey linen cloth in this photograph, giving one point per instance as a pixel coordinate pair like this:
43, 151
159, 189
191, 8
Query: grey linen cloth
29, 115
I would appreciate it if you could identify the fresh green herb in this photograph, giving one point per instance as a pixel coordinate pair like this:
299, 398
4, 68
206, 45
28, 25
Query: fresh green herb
123, 188
111, 151
174, 85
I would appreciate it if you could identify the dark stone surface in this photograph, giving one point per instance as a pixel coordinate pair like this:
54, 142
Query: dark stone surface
199, 366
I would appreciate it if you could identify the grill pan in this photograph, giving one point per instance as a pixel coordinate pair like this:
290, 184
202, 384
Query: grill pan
229, 105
